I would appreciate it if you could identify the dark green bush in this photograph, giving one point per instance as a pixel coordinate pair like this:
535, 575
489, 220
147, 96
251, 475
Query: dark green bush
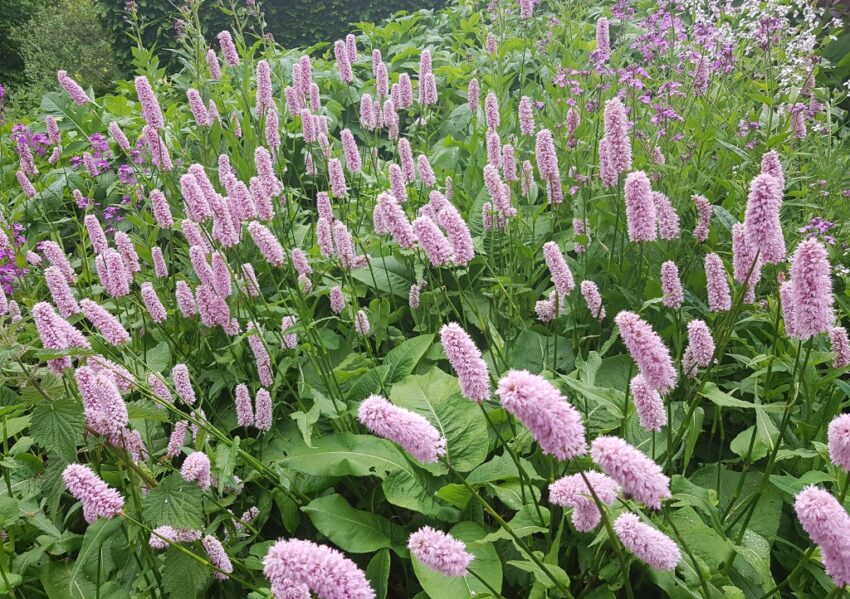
292, 22
63, 35
13, 16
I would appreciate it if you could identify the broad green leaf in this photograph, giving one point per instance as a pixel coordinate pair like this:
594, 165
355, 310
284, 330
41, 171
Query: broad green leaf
501, 468
525, 522
402, 359
182, 576
9, 512
353, 530
744, 440
486, 564
96, 551
765, 520
392, 279
711, 392
174, 502
436, 396
541, 576
56, 579
225, 462
58, 426
753, 561
378, 573
346, 454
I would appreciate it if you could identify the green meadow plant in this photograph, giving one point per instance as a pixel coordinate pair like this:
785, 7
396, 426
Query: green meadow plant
517, 299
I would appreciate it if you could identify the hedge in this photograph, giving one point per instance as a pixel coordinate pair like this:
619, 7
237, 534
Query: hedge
292, 22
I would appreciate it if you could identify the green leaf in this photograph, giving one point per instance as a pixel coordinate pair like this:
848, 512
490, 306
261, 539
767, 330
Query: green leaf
56, 579
96, 552
711, 392
741, 445
9, 511
225, 462
402, 359
353, 530
159, 357
58, 426
753, 561
378, 573
174, 502
526, 522
436, 396
765, 520
386, 280
539, 575
347, 454
182, 576
486, 564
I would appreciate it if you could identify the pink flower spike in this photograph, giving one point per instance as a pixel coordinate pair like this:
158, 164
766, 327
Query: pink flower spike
825, 521
648, 543
671, 286
436, 245
196, 468
60, 292
159, 266
325, 571
593, 298
562, 276
786, 296
463, 250
639, 476
526, 116
244, 410
746, 267
465, 358
150, 105
554, 423
668, 219
648, 351
811, 287
619, 146
152, 303
703, 217
840, 346
267, 243
648, 403
839, 441
228, 48
640, 208
573, 491
264, 99
762, 220
98, 499
73, 88
440, 551
106, 324
263, 409
717, 284
413, 432
218, 557
700, 351
183, 384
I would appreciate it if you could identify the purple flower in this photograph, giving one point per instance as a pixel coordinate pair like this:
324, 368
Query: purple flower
410, 430
440, 551
98, 499
551, 419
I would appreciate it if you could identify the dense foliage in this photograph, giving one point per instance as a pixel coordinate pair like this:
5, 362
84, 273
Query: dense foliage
517, 299
292, 22
63, 34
